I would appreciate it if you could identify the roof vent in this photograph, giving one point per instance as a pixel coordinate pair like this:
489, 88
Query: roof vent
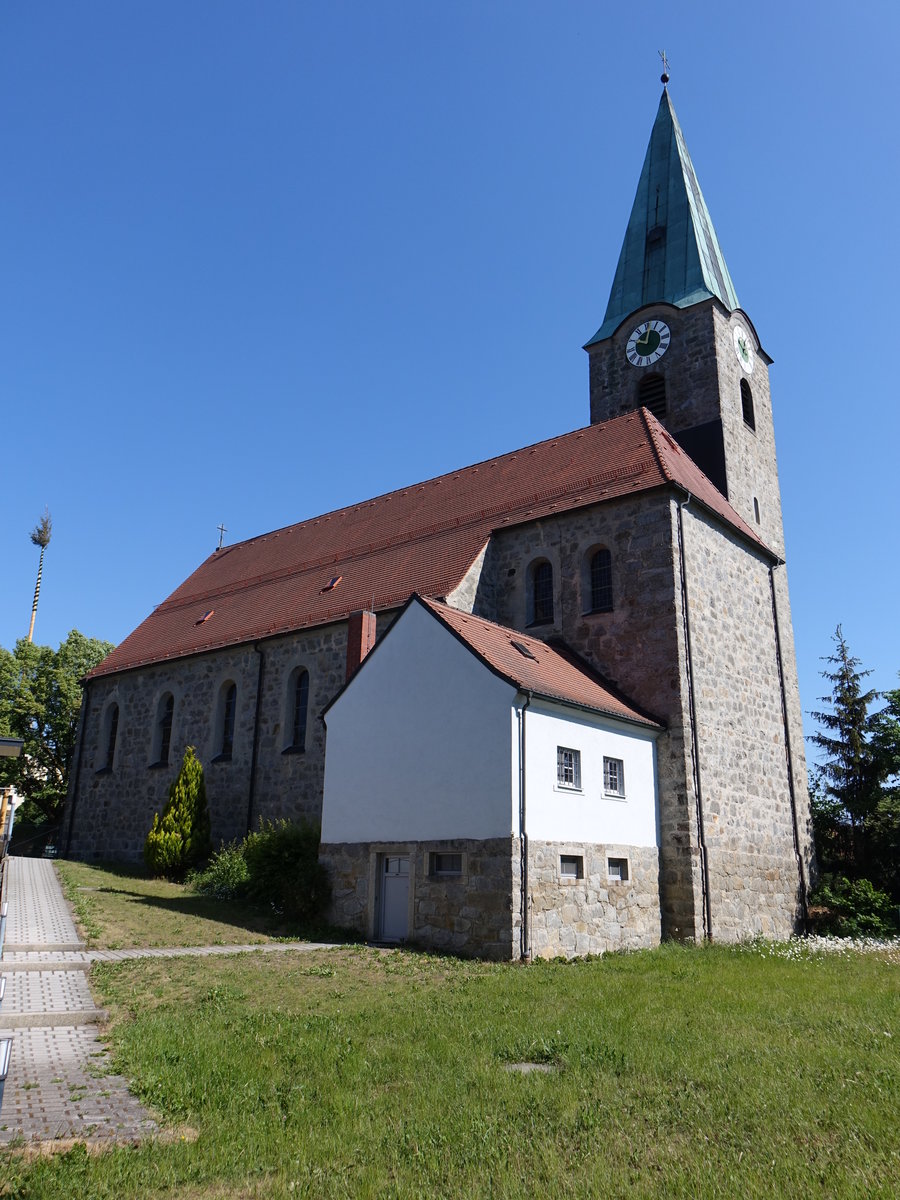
332, 583
205, 617
523, 650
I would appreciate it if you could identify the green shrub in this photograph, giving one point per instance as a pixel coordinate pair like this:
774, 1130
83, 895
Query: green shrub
284, 869
225, 876
855, 908
180, 838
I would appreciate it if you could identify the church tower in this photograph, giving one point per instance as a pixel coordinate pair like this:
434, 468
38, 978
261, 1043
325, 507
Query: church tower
733, 791
676, 341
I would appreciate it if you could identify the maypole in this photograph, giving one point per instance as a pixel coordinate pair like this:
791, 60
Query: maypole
40, 536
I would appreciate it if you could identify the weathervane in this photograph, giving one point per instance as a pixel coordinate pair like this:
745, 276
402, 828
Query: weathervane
664, 78
222, 531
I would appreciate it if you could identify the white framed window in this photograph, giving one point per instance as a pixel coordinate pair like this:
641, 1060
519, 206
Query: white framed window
613, 776
617, 870
571, 866
446, 863
568, 767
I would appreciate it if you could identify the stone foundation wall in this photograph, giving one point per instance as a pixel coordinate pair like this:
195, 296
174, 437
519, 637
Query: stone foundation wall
475, 913
593, 914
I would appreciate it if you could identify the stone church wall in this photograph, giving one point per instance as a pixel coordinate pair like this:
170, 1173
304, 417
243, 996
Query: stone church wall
110, 812
753, 869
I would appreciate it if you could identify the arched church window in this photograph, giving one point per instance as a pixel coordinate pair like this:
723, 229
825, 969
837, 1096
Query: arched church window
747, 405
112, 733
165, 712
652, 394
541, 593
299, 708
600, 574
108, 733
228, 704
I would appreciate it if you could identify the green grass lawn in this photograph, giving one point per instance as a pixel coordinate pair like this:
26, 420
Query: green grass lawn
680, 1072
117, 907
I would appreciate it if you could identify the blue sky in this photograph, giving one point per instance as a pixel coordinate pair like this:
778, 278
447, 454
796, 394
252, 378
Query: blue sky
264, 260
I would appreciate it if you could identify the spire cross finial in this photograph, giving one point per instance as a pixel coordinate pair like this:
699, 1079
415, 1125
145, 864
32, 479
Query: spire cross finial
664, 78
222, 531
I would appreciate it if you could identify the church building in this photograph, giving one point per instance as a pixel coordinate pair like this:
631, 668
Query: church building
546, 704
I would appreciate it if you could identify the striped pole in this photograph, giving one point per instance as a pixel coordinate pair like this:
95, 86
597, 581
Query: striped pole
37, 592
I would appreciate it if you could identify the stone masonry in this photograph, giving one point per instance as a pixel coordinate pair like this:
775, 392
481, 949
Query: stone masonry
592, 914
640, 645
472, 913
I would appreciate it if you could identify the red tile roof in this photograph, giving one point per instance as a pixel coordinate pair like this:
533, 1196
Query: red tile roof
421, 538
548, 670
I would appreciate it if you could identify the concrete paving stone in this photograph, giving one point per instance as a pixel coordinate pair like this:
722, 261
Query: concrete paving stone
46, 992
58, 1089
38, 913
26, 962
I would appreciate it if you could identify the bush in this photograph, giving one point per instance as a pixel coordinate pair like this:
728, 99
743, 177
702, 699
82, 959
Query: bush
226, 875
180, 838
277, 866
854, 908
284, 868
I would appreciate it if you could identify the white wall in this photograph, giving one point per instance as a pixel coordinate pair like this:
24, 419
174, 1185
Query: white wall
561, 814
419, 745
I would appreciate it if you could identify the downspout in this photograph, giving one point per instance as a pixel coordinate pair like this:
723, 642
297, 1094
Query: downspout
801, 870
524, 940
82, 723
255, 755
692, 711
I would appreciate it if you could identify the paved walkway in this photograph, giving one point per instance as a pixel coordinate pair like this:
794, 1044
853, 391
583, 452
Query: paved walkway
58, 1086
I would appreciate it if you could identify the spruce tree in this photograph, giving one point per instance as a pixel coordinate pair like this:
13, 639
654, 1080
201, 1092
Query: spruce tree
181, 837
848, 774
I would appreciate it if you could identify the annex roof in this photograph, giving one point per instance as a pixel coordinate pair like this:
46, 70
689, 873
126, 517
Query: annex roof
670, 253
421, 538
551, 671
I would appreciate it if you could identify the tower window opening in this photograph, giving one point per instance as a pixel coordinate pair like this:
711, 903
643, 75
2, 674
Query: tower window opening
652, 394
756, 509
747, 405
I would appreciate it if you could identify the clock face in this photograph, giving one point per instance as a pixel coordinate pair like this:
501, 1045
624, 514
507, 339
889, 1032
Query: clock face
648, 343
743, 348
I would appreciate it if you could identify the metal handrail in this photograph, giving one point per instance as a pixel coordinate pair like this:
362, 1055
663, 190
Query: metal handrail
5, 1055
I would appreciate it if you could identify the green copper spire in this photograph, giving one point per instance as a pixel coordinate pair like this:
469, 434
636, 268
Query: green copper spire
671, 252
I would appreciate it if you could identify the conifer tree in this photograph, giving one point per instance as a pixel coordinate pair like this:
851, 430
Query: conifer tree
180, 838
848, 774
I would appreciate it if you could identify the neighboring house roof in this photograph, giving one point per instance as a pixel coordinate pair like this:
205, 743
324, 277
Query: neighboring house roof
421, 538
549, 670
670, 253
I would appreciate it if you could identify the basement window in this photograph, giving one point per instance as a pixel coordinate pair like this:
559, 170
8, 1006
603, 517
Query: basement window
571, 866
617, 870
444, 863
